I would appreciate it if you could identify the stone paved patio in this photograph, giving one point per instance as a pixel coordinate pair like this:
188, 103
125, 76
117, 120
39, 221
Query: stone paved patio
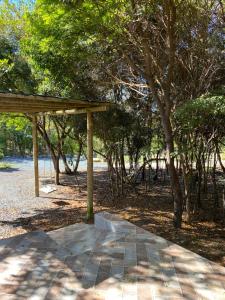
112, 259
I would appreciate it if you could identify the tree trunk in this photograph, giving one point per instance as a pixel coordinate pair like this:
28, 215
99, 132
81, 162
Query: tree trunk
157, 166
55, 160
219, 158
78, 158
199, 170
123, 166
174, 178
131, 162
186, 177
110, 170
223, 205
67, 168
117, 174
215, 190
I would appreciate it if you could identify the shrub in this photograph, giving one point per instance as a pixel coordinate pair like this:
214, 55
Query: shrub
1, 154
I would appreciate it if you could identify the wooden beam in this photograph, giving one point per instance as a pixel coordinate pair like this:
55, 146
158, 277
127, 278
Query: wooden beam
89, 166
42, 104
35, 154
24, 110
46, 99
19, 103
77, 111
36, 103
49, 106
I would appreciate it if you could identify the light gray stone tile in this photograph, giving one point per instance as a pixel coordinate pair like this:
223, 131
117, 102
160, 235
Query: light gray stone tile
114, 258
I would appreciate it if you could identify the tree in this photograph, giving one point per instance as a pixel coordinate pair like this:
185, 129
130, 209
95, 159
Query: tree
165, 52
201, 138
15, 72
16, 135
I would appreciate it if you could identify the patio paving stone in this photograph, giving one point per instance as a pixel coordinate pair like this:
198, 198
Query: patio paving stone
110, 260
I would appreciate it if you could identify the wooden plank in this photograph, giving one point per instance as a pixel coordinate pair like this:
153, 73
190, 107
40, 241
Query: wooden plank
46, 106
78, 111
45, 99
36, 98
50, 105
35, 154
25, 110
89, 166
58, 110
19, 103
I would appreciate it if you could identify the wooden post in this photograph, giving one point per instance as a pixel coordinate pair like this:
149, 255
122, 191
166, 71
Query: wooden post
89, 166
35, 155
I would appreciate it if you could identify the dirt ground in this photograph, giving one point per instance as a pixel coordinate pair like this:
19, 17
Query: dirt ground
151, 210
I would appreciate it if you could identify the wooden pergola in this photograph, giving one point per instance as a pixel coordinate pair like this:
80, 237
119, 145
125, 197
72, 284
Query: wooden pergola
36, 105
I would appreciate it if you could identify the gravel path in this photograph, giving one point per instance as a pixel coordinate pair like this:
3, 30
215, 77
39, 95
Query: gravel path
17, 198
17, 192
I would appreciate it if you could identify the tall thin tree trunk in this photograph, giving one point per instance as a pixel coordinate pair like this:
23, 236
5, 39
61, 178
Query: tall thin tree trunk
78, 158
157, 165
215, 190
123, 166
55, 159
199, 170
67, 168
186, 189
57, 171
174, 178
219, 158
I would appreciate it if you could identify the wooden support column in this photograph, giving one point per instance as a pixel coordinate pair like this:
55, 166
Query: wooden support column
90, 214
35, 154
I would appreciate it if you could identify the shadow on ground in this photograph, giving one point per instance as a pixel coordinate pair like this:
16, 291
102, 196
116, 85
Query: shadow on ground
87, 263
9, 170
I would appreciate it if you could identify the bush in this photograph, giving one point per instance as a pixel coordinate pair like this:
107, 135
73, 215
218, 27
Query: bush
1, 154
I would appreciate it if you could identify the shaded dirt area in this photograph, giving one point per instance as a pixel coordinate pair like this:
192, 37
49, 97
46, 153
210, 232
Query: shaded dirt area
151, 210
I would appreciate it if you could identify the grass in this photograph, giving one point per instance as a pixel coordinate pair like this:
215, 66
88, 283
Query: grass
5, 166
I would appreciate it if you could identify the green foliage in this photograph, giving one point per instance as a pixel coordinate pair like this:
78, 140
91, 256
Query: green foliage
1, 154
15, 73
123, 130
202, 113
15, 134
60, 49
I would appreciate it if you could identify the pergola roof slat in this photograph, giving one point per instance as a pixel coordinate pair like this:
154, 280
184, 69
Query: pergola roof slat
19, 103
